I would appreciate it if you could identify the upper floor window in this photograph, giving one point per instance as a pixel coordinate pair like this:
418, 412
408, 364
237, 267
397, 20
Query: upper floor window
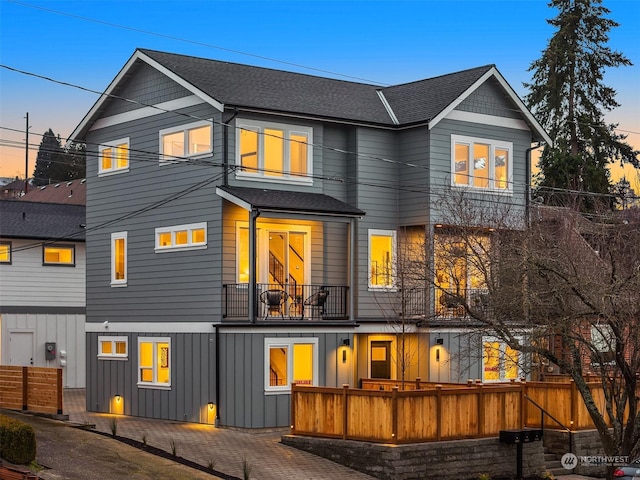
189, 140
113, 157
382, 258
58, 255
273, 151
481, 163
119, 259
5, 252
181, 237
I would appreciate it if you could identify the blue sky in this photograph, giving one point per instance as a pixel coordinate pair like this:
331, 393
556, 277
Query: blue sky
86, 42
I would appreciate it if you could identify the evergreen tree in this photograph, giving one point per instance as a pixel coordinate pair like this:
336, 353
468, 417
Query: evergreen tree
55, 164
568, 97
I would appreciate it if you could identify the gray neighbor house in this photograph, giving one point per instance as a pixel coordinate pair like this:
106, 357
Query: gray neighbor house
242, 226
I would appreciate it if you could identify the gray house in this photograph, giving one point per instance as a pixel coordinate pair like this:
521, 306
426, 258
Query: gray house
243, 224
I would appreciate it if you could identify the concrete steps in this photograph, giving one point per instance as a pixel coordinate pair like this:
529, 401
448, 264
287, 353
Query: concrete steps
553, 465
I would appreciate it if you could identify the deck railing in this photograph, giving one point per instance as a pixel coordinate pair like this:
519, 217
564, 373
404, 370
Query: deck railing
298, 302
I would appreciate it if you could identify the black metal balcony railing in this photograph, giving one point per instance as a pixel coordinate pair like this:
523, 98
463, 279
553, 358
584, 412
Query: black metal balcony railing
287, 302
452, 303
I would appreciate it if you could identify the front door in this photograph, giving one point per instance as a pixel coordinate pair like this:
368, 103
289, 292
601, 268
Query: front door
21, 348
381, 359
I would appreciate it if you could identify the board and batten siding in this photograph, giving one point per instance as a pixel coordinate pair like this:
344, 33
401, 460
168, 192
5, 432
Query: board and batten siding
192, 378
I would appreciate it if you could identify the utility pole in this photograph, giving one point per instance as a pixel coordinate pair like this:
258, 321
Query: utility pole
26, 157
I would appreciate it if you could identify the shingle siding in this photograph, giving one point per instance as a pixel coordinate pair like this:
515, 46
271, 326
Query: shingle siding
490, 99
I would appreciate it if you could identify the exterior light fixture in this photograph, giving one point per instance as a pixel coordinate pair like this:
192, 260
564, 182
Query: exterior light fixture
118, 397
346, 342
437, 354
210, 405
440, 341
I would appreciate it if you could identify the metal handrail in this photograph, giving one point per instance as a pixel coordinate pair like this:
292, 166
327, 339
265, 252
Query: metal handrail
542, 414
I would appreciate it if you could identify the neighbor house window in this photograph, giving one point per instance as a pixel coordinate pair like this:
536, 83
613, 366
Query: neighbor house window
113, 348
119, 259
290, 360
481, 163
58, 255
500, 362
5, 252
113, 157
190, 140
381, 258
274, 151
603, 341
154, 362
181, 237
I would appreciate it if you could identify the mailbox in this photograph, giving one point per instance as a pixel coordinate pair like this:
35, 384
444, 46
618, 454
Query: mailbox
520, 436
50, 351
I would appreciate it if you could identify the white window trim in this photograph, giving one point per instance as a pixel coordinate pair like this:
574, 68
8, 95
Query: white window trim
185, 130
114, 282
177, 228
258, 126
288, 342
385, 233
154, 385
113, 340
502, 346
114, 169
493, 145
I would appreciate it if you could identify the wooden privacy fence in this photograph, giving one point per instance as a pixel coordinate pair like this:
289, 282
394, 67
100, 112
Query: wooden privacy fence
425, 412
37, 389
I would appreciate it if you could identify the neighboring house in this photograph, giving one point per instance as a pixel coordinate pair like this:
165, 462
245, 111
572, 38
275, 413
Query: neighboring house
242, 225
13, 189
42, 287
72, 192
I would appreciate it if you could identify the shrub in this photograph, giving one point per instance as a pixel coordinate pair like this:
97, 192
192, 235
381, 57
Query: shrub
17, 441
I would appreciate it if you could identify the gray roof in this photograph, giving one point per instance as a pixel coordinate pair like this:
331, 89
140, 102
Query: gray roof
279, 91
34, 220
290, 201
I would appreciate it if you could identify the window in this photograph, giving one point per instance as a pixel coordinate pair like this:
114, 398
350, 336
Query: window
154, 362
603, 342
59, 255
119, 259
181, 237
289, 360
480, 163
500, 362
113, 157
5, 252
381, 258
194, 139
113, 348
271, 151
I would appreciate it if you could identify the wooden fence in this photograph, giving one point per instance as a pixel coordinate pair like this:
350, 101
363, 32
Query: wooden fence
423, 412
36, 389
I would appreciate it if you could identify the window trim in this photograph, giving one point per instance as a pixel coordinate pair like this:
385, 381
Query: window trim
289, 129
63, 246
114, 169
190, 227
493, 145
288, 342
501, 361
119, 282
154, 385
9, 253
185, 128
381, 233
113, 340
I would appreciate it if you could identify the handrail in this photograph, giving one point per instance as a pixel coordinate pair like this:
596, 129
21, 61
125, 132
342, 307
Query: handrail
542, 414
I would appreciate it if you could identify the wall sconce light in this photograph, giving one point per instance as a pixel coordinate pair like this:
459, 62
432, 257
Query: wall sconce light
344, 356
118, 397
210, 404
346, 342
439, 341
437, 354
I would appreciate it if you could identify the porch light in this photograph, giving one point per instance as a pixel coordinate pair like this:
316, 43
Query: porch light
210, 404
118, 397
437, 355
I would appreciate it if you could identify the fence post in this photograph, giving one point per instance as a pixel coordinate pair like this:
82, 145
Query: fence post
480, 410
59, 389
345, 409
394, 414
293, 407
524, 408
439, 410
417, 383
25, 388
574, 404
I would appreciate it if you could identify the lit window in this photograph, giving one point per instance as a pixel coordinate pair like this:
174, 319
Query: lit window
154, 362
58, 255
190, 140
274, 151
119, 259
381, 258
481, 163
290, 360
113, 348
462, 263
114, 157
500, 362
181, 237
5, 252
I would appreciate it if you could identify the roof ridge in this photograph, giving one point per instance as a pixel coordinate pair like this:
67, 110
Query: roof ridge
483, 67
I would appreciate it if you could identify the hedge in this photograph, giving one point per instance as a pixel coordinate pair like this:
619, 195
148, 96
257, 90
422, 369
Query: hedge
17, 441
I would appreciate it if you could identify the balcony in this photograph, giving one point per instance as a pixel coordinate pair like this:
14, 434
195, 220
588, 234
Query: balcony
288, 302
453, 304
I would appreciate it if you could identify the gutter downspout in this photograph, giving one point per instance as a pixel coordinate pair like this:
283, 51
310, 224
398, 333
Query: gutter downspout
217, 343
225, 149
253, 286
